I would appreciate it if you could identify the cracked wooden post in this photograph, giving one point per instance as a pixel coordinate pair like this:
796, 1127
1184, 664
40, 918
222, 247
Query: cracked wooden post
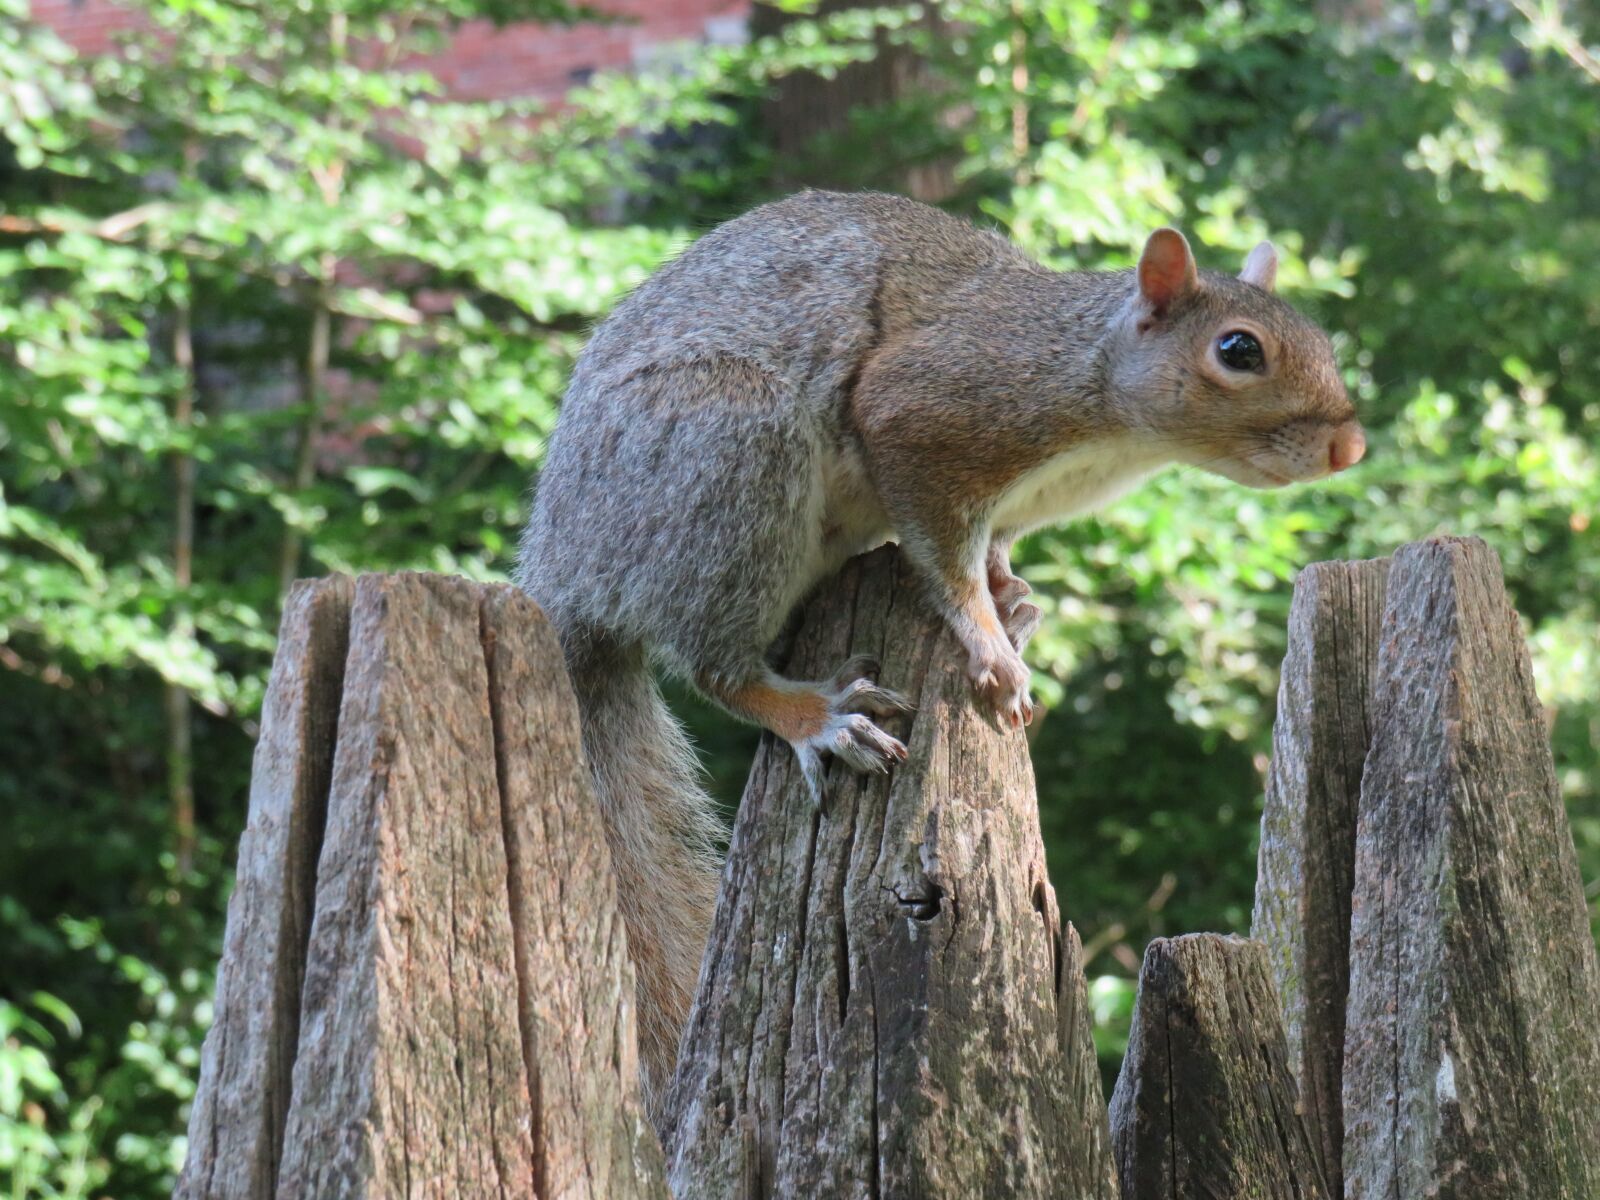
1206, 1106
575, 991
236, 1123
1472, 1044
890, 1004
1305, 870
465, 1020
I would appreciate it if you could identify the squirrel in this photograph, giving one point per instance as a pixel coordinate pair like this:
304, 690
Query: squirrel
821, 375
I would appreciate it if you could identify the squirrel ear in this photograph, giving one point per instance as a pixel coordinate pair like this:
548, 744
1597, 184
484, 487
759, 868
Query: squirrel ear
1166, 269
1261, 267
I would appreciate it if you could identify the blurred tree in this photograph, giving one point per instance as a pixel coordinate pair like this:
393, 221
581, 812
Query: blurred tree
883, 123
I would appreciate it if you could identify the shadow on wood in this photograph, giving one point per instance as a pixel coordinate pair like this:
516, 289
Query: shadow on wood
890, 1004
1206, 1104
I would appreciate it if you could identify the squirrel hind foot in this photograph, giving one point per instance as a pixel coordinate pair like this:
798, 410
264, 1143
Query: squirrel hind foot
854, 689
855, 741
849, 733
864, 696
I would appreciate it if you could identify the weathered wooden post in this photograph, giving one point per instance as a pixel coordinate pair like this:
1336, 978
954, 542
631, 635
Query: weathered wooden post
1306, 865
1206, 1104
1472, 1038
890, 1005
425, 990
437, 1002
237, 1121
1413, 817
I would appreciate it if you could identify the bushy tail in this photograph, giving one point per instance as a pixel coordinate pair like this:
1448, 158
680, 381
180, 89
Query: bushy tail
663, 831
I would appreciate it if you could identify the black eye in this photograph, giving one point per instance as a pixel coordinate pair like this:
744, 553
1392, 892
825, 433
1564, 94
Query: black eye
1239, 351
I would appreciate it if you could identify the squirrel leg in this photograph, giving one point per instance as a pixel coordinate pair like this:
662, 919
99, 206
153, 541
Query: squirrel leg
997, 670
959, 574
833, 717
1019, 619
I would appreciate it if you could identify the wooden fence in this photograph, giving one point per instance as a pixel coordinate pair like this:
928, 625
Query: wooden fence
425, 989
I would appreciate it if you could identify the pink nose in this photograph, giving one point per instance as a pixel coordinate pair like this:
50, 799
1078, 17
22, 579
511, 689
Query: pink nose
1346, 447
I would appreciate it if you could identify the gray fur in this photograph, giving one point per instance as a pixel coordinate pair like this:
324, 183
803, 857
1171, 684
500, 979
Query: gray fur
809, 380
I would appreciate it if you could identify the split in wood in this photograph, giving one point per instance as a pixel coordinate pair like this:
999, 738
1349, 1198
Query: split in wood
1419, 893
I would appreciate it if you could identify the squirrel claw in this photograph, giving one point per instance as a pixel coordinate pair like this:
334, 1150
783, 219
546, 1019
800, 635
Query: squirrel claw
1004, 686
1015, 713
854, 689
849, 733
857, 667
1020, 713
1014, 588
863, 747
855, 741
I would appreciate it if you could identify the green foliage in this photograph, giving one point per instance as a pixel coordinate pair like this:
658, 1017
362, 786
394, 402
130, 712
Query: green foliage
39, 1160
243, 177
180, 220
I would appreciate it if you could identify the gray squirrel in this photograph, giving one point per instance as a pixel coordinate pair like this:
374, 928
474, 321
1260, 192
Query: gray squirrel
819, 376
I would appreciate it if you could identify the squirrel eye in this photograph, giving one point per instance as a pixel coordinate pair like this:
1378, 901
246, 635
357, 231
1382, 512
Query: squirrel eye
1240, 351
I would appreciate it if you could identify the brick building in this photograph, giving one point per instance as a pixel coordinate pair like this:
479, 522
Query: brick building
484, 62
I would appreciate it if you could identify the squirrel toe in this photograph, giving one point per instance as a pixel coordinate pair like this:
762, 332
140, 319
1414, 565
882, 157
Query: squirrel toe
1021, 622
854, 669
864, 696
863, 747
1009, 592
1002, 682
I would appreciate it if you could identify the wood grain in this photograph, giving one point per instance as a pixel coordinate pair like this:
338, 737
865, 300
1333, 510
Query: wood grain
410, 1078
240, 1107
1472, 1062
576, 985
1306, 865
890, 1004
1206, 1106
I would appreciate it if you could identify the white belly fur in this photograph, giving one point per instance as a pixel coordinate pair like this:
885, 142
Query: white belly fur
1075, 482
850, 520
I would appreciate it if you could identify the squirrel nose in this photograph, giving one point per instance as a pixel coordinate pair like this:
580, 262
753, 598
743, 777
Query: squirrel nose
1346, 447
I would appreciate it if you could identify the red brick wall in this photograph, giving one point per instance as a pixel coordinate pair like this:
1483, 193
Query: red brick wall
88, 26
483, 62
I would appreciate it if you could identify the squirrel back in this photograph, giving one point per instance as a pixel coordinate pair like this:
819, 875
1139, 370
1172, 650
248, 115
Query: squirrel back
805, 287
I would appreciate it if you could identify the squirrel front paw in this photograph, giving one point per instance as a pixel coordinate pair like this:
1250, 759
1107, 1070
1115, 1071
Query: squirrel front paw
1001, 680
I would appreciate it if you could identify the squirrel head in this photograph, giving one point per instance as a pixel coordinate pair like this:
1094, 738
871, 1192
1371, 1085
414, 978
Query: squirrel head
1227, 375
